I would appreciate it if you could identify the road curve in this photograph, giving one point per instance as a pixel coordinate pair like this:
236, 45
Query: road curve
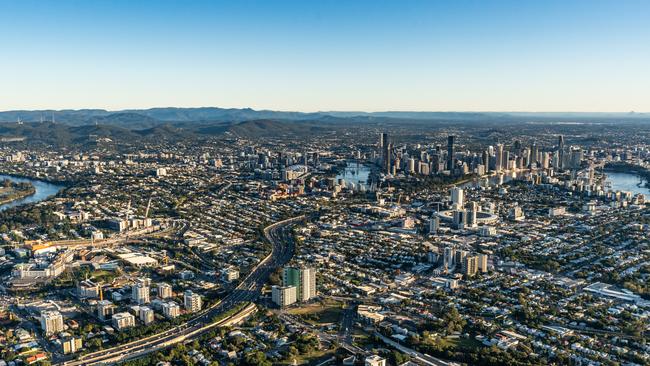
249, 289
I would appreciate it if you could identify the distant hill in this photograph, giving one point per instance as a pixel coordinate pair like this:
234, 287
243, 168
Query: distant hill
272, 128
87, 125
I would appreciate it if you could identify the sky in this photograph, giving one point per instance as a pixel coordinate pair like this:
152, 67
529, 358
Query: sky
354, 55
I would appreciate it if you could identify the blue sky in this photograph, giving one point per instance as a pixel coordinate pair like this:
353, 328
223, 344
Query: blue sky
327, 55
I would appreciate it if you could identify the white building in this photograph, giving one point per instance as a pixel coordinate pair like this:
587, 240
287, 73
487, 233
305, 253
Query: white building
51, 322
230, 274
123, 320
283, 295
171, 310
483, 262
457, 197
192, 301
140, 292
375, 360
105, 309
304, 279
146, 315
164, 290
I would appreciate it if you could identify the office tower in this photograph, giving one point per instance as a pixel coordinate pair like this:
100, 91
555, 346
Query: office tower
164, 290
499, 158
460, 219
534, 151
576, 156
51, 322
470, 265
457, 197
517, 147
140, 292
105, 309
459, 256
486, 161
435, 163
448, 257
434, 225
450, 153
123, 320
304, 279
385, 152
560, 151
412, 165
171, 310
192, 301
283, 295
483, 262
472, 213
388, 164
545, 160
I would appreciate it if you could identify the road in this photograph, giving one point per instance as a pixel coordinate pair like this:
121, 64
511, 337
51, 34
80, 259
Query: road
421, 357
249, 289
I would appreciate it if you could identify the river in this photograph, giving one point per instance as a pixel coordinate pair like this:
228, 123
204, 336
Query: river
43, 189
627, 182
355, 173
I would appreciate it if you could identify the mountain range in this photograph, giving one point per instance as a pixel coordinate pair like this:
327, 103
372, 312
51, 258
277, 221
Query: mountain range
84, 125
147, 118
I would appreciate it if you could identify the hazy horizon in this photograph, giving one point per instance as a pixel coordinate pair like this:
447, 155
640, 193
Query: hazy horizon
323, 111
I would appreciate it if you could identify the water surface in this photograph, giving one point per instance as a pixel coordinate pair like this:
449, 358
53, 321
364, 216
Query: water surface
43, 189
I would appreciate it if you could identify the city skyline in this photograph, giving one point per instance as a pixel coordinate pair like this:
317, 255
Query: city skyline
554, 56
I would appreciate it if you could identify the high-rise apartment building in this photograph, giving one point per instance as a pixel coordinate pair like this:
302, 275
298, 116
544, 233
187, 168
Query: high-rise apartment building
51, 322
192, 301
470, 265
283, 295
140, 292
304, 279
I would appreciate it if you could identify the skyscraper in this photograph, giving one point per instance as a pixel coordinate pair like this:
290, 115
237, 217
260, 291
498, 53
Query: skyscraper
457, 197
560, 151
450, 153
499, 153
534, 152
387, 158
384, 152
486, 161
472, 213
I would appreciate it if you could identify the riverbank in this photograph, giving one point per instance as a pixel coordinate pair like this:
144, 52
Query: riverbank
629, 169
11, 191
42, 190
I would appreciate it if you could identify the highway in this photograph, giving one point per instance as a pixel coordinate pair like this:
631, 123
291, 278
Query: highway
249, 289
420, 357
